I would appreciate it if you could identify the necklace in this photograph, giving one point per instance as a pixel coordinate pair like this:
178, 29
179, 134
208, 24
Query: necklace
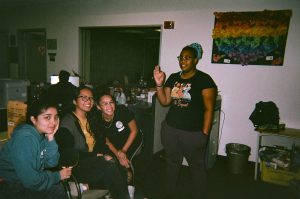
108, 122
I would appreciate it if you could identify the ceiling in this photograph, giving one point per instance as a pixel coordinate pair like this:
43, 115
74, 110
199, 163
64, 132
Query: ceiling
28, 2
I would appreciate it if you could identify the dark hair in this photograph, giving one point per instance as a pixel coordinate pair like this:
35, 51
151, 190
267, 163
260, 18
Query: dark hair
102, 91
192, 50
91, 114
64, 75
37, 107
77, 92
94, 116
78, 89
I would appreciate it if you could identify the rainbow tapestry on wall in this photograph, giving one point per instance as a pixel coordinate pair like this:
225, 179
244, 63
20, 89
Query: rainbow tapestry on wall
250, 38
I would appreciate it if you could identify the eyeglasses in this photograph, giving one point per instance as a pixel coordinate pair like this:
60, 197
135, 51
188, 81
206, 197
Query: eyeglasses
187, 58
86, 98
107, 103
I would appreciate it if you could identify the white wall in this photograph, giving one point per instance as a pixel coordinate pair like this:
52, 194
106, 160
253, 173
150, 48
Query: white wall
240, 86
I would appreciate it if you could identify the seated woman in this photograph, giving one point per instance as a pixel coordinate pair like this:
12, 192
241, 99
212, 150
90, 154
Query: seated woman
30, 151
120, 129
75, 134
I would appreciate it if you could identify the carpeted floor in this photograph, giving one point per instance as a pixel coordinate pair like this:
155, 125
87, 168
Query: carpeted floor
221, 183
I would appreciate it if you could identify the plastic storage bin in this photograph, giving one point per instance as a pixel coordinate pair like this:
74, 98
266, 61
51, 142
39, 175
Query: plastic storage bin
277, 176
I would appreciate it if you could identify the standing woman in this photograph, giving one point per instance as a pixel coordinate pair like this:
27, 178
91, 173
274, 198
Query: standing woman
32, 150
189, 120
94, 168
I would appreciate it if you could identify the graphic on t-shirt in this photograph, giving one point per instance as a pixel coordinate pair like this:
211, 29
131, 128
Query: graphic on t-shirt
120, 126
180, 94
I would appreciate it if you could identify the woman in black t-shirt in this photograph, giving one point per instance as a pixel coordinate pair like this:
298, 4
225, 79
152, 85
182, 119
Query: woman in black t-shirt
191, 95
119, 126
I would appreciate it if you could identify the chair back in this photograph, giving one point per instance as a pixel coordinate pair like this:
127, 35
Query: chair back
139, 143
139, 146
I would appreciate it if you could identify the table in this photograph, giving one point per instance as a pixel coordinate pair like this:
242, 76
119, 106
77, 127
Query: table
286, 137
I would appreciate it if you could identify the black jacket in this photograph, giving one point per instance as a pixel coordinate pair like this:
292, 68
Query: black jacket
70, 139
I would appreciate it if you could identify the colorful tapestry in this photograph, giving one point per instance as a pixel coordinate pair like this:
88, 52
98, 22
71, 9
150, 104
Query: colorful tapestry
250, 38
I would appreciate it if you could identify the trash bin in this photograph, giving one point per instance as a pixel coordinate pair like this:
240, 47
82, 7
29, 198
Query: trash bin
237, 157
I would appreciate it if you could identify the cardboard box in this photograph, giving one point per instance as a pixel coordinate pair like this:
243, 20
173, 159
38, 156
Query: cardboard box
277, 176
16, 114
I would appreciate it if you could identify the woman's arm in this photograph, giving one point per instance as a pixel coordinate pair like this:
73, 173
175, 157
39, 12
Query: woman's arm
52, 155
209, 99
121, 153
112, 147
132, 135
122, 158
27, 160
163, 93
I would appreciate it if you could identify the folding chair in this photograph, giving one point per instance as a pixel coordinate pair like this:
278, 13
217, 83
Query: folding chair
137, 151
72, 187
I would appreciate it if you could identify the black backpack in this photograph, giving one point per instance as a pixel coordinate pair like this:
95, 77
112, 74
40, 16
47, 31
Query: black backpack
265, 113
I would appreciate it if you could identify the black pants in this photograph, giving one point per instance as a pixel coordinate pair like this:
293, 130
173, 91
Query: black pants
191, 145
100, 173
11, 190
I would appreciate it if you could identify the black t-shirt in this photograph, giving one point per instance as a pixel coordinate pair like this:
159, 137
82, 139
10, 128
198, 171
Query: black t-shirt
187, 108
118, 130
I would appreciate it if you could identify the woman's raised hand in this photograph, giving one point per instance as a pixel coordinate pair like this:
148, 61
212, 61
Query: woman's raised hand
159, 76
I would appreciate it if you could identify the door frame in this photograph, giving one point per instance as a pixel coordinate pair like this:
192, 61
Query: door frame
22, 54
5, 56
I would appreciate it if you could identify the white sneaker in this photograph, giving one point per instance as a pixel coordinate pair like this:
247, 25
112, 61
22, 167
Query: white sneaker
73, 188
131, 190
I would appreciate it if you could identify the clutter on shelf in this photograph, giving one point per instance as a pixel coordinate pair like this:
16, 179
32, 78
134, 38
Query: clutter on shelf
280, 165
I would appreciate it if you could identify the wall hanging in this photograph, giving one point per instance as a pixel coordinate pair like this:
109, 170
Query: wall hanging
250, 38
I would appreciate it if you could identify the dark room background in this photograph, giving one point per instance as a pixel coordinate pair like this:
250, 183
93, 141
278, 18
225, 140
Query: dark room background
122, 54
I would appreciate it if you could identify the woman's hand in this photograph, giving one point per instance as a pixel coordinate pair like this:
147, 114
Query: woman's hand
159, 76
50, 136
65, 173
123, 159
106, 157
124, 162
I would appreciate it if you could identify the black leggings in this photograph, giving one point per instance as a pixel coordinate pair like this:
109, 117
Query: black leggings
100, 173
